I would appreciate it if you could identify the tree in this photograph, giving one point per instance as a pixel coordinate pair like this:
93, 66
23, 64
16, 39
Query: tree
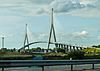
38, 49
4, 49
94, 46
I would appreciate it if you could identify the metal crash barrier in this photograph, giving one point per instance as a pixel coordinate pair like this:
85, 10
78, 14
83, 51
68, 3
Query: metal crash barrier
42, 63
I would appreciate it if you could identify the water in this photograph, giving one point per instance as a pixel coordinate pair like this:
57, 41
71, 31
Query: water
57, 68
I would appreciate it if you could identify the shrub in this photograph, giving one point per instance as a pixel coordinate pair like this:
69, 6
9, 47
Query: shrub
76, 54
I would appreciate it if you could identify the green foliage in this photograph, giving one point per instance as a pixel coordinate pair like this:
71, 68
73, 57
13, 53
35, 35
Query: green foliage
92, 51
8, 50
98, 46
88, 56
60, 50
89, 50
76, 54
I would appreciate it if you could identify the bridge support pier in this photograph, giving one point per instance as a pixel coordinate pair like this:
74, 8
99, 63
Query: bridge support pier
80, 48
70, 48
67, 49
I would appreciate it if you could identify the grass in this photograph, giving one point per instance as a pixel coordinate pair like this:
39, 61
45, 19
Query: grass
91, 50
14, 56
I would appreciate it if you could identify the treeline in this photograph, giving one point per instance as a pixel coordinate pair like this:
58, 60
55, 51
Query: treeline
8, 50
96, 46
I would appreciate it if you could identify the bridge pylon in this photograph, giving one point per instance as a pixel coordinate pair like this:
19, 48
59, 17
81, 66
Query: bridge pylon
26, 41
52, 30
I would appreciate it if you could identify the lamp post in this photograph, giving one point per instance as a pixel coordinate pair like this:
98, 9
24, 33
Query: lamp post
2, 42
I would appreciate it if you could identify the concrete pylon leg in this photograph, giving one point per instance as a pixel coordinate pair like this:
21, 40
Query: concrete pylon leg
74, 48
80, 48
67, 48
77, 48
70, 48
59, 45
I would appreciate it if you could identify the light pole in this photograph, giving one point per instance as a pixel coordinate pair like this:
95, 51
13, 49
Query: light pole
2, 42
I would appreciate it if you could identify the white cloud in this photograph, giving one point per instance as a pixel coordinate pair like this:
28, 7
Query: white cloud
19, 7
65, 5
90, 13
82, 34
6, 19
87, 8
6, 35
83, 8
87, 1
41, 1
98, 37
33, 36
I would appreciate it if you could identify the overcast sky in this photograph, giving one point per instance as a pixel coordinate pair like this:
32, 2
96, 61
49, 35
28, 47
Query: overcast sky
76, 22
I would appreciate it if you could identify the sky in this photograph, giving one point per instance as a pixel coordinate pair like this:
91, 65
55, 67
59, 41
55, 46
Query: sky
76, 22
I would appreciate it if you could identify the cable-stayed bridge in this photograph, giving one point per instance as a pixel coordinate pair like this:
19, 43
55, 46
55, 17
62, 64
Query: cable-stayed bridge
66, 47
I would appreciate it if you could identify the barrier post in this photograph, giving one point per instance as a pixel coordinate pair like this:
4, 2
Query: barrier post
92, 66
71, 67
42, 68
2, 68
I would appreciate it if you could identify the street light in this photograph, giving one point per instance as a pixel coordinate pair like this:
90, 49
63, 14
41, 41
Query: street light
2, 42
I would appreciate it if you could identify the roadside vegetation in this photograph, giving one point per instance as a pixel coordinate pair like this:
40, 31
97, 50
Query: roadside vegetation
87, 53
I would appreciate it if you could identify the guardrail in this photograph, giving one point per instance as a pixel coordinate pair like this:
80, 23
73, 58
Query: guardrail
42, 63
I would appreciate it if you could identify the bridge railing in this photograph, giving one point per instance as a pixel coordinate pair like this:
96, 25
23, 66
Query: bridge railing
42, 63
